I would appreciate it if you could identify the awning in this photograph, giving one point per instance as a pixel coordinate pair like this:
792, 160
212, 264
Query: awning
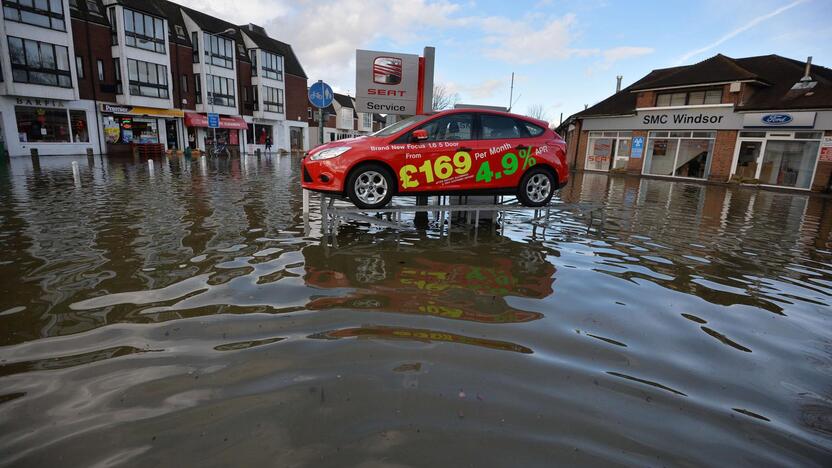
192, 119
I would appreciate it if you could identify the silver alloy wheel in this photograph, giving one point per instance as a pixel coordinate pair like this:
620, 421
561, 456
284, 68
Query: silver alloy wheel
370, 187
538, 188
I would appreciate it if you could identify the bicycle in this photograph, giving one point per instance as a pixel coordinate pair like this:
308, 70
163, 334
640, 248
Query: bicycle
218, 150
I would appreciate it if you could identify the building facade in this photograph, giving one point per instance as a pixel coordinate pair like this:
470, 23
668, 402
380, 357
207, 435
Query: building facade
109, 75
342, 121
758, 120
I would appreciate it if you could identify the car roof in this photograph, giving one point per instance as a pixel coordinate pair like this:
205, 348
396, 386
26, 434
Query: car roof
463, 110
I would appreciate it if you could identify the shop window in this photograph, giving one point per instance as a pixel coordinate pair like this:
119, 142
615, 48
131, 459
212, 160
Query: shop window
41, 124
679, 154
690, 98
273, 100
272, 66
219, 51
78, 122
599, 153
144, 31
752, 134
43, 13
789, 163
39, 63
221, 91
147, 79
258, 134
808, 135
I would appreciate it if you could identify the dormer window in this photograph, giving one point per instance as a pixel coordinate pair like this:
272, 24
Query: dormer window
690, 98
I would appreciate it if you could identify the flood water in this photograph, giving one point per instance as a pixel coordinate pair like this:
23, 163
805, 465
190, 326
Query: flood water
188, 317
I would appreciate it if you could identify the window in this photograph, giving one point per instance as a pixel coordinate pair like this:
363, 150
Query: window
180, 31
144, 31
198, 89
41, 124
39, 63
450, 127
309, 112
147, 79
219, 51
43, 13
111, 13
273, 100
78, 122
221, 90
79, 67
92, 7
195, 45
679, 154
272, 66
252, 53
258, 134
367, 118
100, 64
690, 98
183, 84
496, 127
533, 129
117, 75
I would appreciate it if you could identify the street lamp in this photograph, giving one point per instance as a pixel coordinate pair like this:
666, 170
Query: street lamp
229, 31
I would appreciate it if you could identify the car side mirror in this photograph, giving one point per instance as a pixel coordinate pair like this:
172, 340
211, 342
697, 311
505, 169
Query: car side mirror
420, 135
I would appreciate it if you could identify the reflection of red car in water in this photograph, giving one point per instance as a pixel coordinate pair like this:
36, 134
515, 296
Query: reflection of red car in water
455, 151
457, 290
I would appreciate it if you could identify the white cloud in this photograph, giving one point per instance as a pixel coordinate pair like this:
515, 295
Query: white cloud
745, 27
610, 56
518, 41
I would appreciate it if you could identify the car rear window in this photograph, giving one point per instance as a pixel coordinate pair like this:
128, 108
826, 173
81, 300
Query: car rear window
496, 127
533, 129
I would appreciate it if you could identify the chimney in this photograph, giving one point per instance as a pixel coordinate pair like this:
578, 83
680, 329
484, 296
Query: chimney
618, 82
807, 73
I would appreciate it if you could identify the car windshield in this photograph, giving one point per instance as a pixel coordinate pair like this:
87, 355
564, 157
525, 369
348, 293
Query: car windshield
401, 124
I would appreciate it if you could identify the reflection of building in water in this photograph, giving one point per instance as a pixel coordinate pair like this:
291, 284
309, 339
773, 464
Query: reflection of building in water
412, 334
468, 283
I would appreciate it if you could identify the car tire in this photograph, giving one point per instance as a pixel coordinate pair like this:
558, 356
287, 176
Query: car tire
536, 187
370, 186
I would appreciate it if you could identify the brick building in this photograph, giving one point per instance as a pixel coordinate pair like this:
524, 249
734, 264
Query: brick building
107, 75
765, 120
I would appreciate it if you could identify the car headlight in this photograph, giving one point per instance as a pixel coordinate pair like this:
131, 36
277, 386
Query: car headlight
330, 153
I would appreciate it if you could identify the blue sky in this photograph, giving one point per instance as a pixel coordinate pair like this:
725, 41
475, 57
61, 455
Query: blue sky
564, 54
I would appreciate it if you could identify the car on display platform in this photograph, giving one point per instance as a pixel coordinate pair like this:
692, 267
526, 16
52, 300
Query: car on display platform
454, 152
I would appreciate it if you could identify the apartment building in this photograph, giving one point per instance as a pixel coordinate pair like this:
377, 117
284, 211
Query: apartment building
107, 75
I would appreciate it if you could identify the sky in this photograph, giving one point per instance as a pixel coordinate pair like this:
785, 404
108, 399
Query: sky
565, 54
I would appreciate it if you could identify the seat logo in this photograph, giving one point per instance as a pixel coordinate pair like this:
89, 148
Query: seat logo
387, 70
776, 119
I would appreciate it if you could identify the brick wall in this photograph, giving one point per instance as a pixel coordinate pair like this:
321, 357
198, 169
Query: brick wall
245, 106
181, 63
297, 101
646, 99
92, 41
823, 174
580, 156
634, 165
723, 155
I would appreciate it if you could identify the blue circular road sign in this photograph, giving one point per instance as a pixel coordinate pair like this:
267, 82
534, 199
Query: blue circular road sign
320, 94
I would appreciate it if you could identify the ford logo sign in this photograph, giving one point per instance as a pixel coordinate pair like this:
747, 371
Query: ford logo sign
776, 119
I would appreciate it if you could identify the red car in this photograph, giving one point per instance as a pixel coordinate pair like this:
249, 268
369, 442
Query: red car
459, 151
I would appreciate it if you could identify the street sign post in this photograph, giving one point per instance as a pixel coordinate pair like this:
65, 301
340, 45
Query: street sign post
213, 120
320, 96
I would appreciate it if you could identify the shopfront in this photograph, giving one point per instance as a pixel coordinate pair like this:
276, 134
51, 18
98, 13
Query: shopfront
49, 126
125, 126
201, 137
779, 149
260, 134
608, 150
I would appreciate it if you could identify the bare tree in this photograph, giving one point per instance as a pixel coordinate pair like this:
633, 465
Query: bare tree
443, 98
536, 111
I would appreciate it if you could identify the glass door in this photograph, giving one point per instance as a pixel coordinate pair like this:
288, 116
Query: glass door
747, 157
622, 153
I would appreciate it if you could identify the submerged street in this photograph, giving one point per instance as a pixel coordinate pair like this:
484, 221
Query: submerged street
186, 315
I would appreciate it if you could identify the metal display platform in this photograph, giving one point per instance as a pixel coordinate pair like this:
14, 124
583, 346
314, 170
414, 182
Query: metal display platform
336, 211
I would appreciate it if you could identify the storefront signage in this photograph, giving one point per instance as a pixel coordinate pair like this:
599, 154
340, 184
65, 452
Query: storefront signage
637, 148
721, 118
779, 119
40, 102
193, 119
386, 82
136, 110
826, 149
